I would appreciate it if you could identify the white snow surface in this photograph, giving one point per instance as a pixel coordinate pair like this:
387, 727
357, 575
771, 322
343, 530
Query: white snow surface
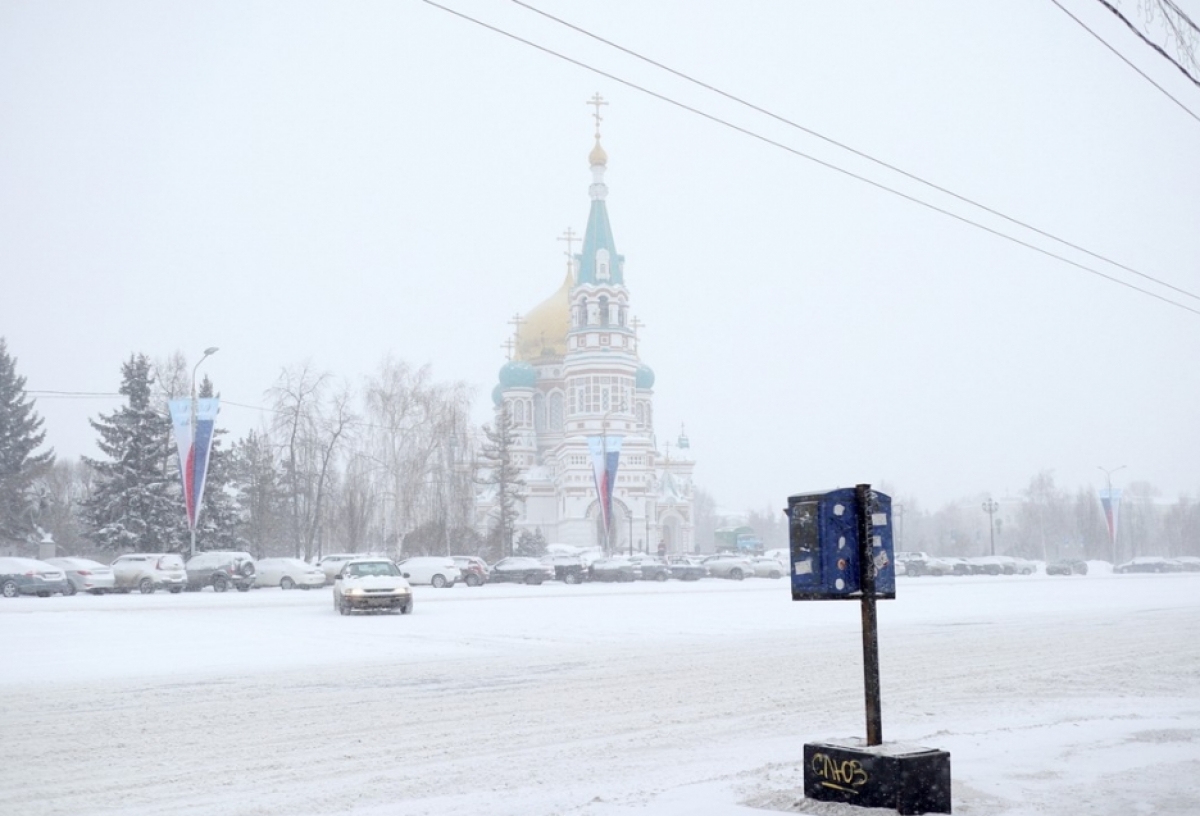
1071, 695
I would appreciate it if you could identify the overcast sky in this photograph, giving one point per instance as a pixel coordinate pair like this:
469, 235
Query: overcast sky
335, 182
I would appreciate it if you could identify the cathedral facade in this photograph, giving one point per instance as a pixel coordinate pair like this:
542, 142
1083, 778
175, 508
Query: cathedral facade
582, 402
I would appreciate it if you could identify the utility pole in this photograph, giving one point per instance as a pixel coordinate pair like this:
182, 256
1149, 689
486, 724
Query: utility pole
990, 507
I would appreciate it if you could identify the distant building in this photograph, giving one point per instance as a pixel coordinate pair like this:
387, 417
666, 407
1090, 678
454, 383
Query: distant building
575, 386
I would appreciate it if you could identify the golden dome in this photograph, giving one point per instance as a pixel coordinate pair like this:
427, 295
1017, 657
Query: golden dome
543, 332
597, 156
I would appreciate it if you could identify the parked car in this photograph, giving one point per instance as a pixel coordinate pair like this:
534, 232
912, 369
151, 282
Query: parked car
85, 575
1185, 563
904, 556
1067, 566
371, 584
932, 565
436, 570
521, 569
768, 567
613, 570
29, 576
332, 564
287, 573
651, 567
474, 569
147, 572
570, 569
1145, 563
686, 567
220, 569
729, 565
1024, 566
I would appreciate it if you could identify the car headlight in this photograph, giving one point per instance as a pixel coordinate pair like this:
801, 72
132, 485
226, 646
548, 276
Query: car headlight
353, 591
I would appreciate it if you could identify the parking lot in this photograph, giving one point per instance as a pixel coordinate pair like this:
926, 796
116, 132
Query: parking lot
596, 699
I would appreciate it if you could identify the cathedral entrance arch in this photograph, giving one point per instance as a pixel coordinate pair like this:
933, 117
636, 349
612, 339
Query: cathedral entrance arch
671, 539
619, 533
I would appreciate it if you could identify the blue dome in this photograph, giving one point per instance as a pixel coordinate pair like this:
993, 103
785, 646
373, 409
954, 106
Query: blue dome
518, 374
644, 377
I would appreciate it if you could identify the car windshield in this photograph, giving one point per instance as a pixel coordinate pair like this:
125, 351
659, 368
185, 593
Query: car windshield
371, 568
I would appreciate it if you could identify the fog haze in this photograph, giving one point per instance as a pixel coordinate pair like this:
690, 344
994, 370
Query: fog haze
335, 183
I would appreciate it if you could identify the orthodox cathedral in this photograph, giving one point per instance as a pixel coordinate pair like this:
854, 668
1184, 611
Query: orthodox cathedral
582, 403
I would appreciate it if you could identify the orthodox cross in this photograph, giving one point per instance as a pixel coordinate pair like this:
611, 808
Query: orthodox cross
636, 324
570, 237
597, 100
515, 322
507, 345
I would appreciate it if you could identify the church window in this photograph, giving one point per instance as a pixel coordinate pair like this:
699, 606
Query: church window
519, 412
556, 411
539, 412
603, 310
602, 264
641, 414
583, 312
621, 315
604, 399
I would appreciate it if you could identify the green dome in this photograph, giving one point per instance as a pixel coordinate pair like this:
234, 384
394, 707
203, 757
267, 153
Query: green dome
518, 374
644, 377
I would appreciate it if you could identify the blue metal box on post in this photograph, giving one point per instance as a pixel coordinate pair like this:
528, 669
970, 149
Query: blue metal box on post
841, 548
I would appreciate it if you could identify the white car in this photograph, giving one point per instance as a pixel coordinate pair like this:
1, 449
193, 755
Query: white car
768, 567
85, 575
288, 573
436, 570
371, 583
333, 563
147, 572
729, 565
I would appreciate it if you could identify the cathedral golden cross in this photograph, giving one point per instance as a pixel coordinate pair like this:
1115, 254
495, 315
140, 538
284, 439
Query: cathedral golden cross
597, 100
507, 345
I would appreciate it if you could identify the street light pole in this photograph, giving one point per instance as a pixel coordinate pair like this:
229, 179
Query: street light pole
208, 352
1112, 531
990, 507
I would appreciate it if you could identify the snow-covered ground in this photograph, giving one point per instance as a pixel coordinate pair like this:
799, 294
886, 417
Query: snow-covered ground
1075, 695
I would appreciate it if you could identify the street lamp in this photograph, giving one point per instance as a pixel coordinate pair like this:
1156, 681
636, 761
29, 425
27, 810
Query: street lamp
1112, 527
208, 352
990, 507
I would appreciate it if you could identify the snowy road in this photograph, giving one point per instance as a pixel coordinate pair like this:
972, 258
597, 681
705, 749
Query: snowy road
1077, 695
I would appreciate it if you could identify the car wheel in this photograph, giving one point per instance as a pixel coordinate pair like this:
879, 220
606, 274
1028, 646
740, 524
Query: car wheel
775, 574
243, 587
571, 578
247, 569
343, 608
287, 583
146, 586
660, 577
71, 590
10, 590
438, 581
220, 584
407, 608
531, 580
176, 590
473, 580
736, 574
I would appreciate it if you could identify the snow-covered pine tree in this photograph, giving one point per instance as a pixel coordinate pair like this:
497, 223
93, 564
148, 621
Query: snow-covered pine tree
502, 472
20, 435
137, 502
262, 500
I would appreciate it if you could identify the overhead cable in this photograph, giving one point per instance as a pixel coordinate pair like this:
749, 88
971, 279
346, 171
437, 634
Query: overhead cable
754, 135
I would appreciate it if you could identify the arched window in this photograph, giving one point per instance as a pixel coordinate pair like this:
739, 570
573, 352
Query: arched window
603, 310
556, 411
539, 412
519, 411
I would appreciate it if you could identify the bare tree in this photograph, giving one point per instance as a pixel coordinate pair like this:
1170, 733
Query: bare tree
311, 427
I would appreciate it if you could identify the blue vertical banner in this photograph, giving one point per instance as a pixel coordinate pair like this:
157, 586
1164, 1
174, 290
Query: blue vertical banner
606, 455
194, 445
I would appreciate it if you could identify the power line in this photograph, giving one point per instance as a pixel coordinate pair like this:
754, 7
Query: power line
855, 151
1125, 59
1142, 36
801, 154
